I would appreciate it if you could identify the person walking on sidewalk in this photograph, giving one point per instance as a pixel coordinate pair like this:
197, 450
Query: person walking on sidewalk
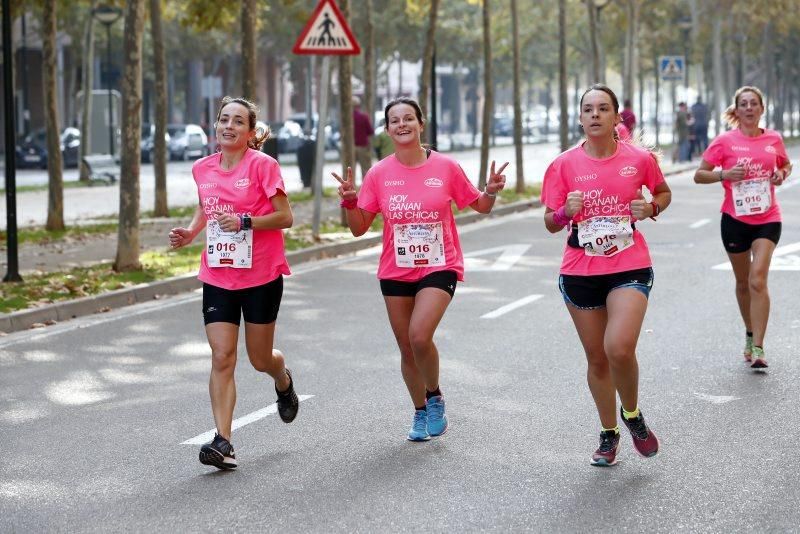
243, 208
751, 162
362, 137
421, 261
606, 274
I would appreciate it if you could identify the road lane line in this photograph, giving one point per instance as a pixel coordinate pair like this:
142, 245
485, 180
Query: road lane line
252, 417
698, 224
782, 260
511, 307
715, 399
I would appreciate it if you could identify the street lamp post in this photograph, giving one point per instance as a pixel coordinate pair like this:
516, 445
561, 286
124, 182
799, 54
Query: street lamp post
108, 15
685, 24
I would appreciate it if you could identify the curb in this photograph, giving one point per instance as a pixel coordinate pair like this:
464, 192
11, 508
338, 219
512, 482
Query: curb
70, 309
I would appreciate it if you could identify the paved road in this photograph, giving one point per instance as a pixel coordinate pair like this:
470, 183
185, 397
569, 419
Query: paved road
94, 412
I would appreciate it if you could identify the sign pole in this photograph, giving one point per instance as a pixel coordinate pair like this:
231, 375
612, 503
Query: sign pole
324, 82
12, 274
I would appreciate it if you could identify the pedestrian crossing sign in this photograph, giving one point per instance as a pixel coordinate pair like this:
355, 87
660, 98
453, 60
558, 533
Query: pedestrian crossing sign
671, 68
327, 33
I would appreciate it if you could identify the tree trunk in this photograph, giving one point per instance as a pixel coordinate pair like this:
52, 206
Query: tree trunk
369, 62
716, 65
427, 61
768, 47
249, 17
128, 240
160, 208
563, 127
86, 87
518, 100
55, 191
593, 42
488, 96
347, 142
631, 48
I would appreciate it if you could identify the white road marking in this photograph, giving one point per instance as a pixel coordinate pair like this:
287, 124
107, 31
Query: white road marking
240, 422
509, 255
782, 260
698, 224
713, 399
511, 307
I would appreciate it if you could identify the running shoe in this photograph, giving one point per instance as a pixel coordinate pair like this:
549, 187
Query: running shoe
437, 419
644, 440
606, 453
748, 349
759, 360
288, 403
419, 428
219, 453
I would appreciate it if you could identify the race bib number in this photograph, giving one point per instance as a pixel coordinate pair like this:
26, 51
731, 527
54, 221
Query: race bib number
751, 197
228, 249
418, 245
605, 236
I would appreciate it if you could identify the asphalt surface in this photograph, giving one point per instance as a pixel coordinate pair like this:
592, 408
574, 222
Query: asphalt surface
94, 411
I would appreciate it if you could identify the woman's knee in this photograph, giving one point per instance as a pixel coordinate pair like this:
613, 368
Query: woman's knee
757, 282
223, 360
597, 365
621, 353
420, 341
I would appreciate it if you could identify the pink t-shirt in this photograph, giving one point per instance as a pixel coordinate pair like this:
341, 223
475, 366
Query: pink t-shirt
244, 190
760, 155
608, 185
419, 230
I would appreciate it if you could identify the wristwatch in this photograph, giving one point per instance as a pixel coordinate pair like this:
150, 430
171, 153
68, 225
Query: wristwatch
247, 222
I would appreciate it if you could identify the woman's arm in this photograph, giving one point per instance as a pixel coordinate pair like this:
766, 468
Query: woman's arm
277, 220
359, 220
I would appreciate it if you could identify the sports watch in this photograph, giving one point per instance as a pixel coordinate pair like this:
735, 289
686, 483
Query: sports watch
247, 222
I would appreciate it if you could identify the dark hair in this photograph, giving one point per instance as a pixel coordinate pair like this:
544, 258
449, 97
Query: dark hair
256, 142
729, 115
403, 100
627, 102
604, 88
636, 139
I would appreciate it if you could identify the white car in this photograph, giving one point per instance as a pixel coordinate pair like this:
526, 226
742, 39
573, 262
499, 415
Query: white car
187, 141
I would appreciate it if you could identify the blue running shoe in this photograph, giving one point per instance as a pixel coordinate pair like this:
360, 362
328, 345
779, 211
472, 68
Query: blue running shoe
437, 420
419, 428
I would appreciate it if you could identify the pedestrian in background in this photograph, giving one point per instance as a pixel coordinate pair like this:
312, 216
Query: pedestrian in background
383, 143
362, 137
244, 209
421, 262
700, 114
606, 275
628, 116
749, 162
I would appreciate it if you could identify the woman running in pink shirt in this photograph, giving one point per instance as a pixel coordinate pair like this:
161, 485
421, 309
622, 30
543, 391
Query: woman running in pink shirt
421, 260
243, 209
594, 190
751, 162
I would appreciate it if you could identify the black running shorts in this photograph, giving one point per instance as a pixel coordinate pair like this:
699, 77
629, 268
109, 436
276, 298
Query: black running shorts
590, 292
259, 304
738, 236
444, 280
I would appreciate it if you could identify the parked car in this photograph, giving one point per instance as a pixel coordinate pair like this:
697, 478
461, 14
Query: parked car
290, 137
31, 152
187, 141
332, 134
148, 141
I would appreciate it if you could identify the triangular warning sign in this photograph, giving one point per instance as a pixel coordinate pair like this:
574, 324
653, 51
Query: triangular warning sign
327, 33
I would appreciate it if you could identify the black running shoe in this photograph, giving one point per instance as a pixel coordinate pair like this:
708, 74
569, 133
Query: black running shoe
288, 403
219, 453
606, 453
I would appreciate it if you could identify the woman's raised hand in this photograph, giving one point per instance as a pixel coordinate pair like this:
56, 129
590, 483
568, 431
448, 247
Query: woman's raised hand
347, 187
497, 180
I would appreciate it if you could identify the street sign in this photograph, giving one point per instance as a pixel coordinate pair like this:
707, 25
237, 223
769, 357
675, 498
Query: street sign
327, 33
671, 68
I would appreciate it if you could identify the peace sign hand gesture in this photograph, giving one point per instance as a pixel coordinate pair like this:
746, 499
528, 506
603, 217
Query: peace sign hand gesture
497, 180
347, 188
